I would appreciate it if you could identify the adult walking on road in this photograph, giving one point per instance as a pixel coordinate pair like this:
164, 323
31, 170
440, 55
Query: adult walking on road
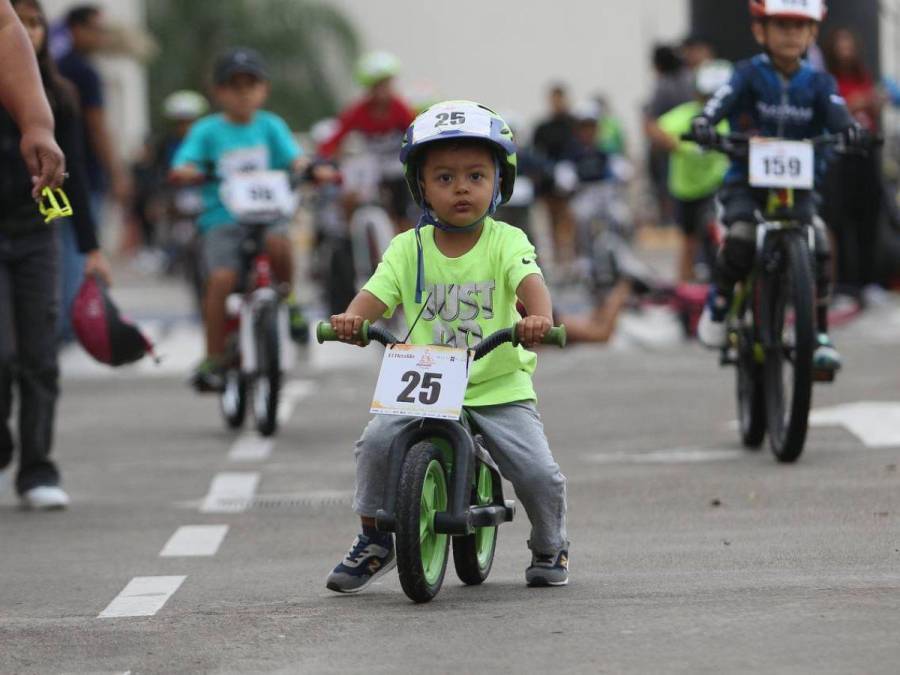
28, 280
105, 169
23, 97
854, 196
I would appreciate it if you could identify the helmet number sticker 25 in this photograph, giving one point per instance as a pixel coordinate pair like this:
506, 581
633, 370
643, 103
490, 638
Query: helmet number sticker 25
422, 381
775, 163
443, 119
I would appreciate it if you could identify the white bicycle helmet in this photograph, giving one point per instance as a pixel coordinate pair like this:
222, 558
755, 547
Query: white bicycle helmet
712, 76
374, 67
813, 10
185, 105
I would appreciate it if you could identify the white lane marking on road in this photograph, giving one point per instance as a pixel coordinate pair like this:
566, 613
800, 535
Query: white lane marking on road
251, 448
673, 456
291, 394
230, 492
143, 596
875, 423
194, 540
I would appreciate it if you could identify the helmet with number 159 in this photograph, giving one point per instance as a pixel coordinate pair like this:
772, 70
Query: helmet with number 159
455, 120
811, 10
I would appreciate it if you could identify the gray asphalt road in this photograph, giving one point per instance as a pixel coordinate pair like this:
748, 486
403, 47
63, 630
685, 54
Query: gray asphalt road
688, 554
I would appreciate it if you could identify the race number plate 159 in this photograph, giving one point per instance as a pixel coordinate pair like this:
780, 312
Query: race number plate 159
422, 381
782, 164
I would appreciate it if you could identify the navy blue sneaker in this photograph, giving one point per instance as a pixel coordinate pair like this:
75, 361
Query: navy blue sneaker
548, 569
364, 563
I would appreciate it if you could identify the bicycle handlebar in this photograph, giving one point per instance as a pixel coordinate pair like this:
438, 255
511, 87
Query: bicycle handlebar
737, 144
368, 332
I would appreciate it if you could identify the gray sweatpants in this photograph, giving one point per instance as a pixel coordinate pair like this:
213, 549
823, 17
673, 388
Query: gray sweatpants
514, 436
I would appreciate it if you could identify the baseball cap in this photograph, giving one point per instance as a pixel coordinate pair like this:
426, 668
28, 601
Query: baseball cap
239, 60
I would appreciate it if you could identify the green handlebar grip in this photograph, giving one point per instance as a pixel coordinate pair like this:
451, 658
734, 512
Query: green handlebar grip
325, 333
555, 336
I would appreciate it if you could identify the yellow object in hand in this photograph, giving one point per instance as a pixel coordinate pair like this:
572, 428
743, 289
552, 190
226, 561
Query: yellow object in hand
54, 204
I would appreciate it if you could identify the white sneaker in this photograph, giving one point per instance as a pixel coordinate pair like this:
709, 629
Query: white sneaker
45, 498
713, 334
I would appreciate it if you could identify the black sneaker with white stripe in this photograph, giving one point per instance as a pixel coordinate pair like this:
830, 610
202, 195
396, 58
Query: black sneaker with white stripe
366, 560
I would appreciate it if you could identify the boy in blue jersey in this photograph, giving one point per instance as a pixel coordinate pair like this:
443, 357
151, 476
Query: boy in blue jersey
775, 94
241, 138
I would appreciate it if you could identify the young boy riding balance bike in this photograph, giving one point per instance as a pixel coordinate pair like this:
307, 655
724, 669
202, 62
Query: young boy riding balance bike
460, 164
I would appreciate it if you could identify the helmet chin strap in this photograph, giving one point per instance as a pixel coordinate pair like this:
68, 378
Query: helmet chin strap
428, 217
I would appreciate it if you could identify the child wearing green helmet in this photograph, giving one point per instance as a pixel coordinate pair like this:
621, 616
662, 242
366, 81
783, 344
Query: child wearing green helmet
458, 276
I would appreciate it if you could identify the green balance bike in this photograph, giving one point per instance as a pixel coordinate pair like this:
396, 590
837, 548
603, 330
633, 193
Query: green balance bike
443, 486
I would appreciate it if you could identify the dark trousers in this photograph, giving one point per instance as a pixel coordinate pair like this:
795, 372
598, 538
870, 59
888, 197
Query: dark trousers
29, 307
853, 201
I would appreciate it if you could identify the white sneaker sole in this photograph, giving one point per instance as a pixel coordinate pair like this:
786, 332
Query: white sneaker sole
538, 583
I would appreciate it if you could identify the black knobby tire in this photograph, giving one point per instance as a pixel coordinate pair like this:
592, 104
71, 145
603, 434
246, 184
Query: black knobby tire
473, 554
789, 302
233, 399
751, 400
267, 382
410, 567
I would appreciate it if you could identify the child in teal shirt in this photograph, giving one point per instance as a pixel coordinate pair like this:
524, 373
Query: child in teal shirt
242, 138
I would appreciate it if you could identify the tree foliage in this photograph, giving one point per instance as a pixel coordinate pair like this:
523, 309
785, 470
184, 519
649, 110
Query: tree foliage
309, 46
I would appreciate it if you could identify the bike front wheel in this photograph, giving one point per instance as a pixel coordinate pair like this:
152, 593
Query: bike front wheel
233, 399
421, 551
789, 340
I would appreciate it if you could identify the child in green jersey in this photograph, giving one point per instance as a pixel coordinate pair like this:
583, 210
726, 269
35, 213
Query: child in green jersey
695, 174
468, 270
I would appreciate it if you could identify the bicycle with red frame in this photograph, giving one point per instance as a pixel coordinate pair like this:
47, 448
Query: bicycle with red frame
258, 346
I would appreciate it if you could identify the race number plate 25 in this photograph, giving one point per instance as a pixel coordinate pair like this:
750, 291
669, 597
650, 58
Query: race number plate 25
782, 164
421, 381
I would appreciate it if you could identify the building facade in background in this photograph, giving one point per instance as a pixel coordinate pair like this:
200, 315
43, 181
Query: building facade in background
505, 53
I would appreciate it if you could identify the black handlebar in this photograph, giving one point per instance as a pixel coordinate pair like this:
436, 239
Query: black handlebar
737, 144
368, 332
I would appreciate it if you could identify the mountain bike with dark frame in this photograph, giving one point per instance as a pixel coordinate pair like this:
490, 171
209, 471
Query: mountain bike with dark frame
772, 319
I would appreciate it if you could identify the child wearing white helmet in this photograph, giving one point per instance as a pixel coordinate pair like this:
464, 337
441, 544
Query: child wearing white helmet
463, 272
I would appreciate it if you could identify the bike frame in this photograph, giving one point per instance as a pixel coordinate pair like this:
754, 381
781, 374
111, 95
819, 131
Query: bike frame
460, 451
260, 294
778, 220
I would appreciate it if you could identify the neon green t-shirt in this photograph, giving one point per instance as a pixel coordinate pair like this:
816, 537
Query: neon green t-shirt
694, 173
467, 298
